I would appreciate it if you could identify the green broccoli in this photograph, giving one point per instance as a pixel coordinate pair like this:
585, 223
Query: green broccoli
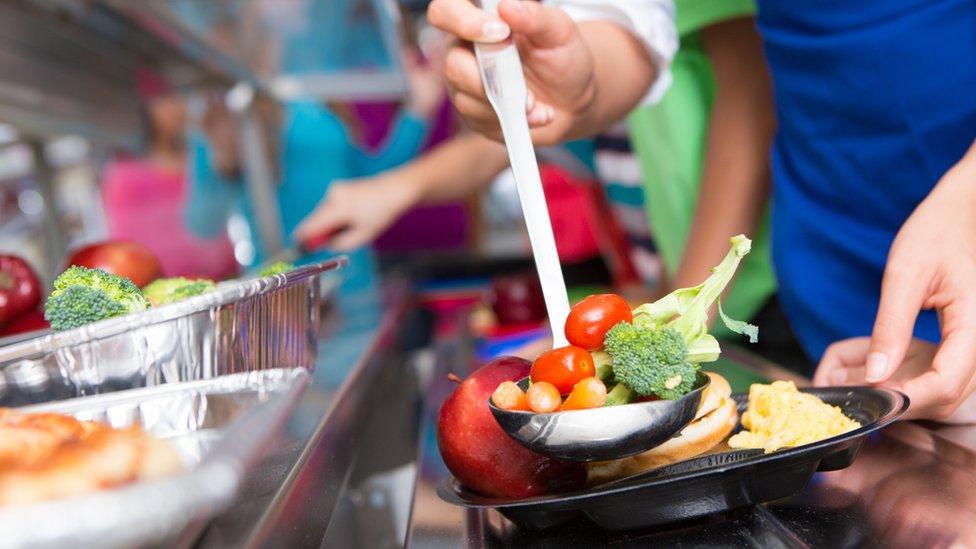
603, 365
660, 352
620, 394
170, 290
650, 361
686, 309
275, 269
83, 295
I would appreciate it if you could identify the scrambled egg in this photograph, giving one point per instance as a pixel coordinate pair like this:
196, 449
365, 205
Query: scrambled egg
779, 416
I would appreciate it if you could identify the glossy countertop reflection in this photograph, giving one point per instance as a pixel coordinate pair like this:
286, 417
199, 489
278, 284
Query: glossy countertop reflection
290, 496
912, 485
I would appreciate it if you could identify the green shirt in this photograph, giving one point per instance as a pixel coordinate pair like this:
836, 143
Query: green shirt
669, 139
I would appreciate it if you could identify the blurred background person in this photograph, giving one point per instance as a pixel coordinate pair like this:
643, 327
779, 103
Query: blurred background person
317, 145
144, 197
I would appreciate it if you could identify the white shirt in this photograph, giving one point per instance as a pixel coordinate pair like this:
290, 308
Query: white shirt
651, 21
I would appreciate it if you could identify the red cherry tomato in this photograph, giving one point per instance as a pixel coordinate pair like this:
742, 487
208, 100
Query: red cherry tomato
563, 367
589, 320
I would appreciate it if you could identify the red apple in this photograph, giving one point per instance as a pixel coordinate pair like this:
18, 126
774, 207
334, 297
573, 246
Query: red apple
482, 456
129, 259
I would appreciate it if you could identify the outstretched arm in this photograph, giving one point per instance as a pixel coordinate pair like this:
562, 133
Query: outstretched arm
362, 209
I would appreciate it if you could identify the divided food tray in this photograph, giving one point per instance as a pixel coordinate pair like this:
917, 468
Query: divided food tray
219, 427
707, 484
243, 325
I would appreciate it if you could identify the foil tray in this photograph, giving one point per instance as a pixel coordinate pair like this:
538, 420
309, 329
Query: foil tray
220, 427
243, 325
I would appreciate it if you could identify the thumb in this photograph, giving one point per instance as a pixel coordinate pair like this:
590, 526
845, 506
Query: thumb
902, 296
542, 25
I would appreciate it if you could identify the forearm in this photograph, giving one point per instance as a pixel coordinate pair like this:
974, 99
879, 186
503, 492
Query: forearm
623, 73
454, 170
736, 175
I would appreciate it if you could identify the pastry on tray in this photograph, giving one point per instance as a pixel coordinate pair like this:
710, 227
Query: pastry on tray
48, 456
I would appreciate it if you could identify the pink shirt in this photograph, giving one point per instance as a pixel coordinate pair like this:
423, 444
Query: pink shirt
144, 204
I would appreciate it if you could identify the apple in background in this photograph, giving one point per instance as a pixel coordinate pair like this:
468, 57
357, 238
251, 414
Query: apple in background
129, 259
517, 298
479, 453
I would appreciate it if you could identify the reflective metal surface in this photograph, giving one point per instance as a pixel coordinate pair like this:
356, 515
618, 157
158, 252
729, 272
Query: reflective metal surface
300, 494
218, 427
910, 487
243, 325
625, 430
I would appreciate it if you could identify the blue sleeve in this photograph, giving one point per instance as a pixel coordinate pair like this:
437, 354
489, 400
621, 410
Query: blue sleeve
403, 144
211, 197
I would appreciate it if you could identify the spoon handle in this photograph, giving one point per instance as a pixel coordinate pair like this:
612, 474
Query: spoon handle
501, 72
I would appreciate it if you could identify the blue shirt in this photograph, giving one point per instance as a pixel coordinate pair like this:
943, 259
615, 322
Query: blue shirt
875, 100
315, 152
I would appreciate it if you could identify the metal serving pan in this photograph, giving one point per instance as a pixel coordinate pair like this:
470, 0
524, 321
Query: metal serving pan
708, 484
220, 427
243, 325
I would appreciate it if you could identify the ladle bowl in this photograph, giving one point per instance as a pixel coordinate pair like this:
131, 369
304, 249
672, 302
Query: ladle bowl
609, 432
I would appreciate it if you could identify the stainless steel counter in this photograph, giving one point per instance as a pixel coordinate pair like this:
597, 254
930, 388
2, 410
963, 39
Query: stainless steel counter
294, 493
912, 486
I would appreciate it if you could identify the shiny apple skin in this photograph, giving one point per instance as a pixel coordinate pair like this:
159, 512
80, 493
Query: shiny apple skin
485, 459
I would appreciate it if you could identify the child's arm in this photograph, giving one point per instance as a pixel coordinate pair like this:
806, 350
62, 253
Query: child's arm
736, 175
364, 208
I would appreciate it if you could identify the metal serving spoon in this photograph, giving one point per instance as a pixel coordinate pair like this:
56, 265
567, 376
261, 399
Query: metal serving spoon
504, 82
610, 432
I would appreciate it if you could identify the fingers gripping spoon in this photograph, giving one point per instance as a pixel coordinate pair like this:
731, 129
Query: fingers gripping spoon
501, 72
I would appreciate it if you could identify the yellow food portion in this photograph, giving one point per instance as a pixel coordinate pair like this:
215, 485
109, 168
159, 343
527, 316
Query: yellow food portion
779, 416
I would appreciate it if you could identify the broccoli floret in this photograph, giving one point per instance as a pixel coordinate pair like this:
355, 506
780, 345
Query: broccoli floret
77, 305
276, 268
686, 309
170, 290
660, 352
83, 295
651, 360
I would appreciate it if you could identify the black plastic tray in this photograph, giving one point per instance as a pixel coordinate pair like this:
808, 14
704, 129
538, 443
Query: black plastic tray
704, 485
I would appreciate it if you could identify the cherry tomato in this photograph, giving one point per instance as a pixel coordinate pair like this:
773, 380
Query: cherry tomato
509, 396
589, 320
563, 367
543, 397
590, 392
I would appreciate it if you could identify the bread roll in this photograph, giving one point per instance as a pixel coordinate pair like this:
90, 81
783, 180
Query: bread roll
717, 417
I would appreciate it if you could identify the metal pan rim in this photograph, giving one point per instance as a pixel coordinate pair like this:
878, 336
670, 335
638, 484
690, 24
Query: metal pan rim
225, 293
